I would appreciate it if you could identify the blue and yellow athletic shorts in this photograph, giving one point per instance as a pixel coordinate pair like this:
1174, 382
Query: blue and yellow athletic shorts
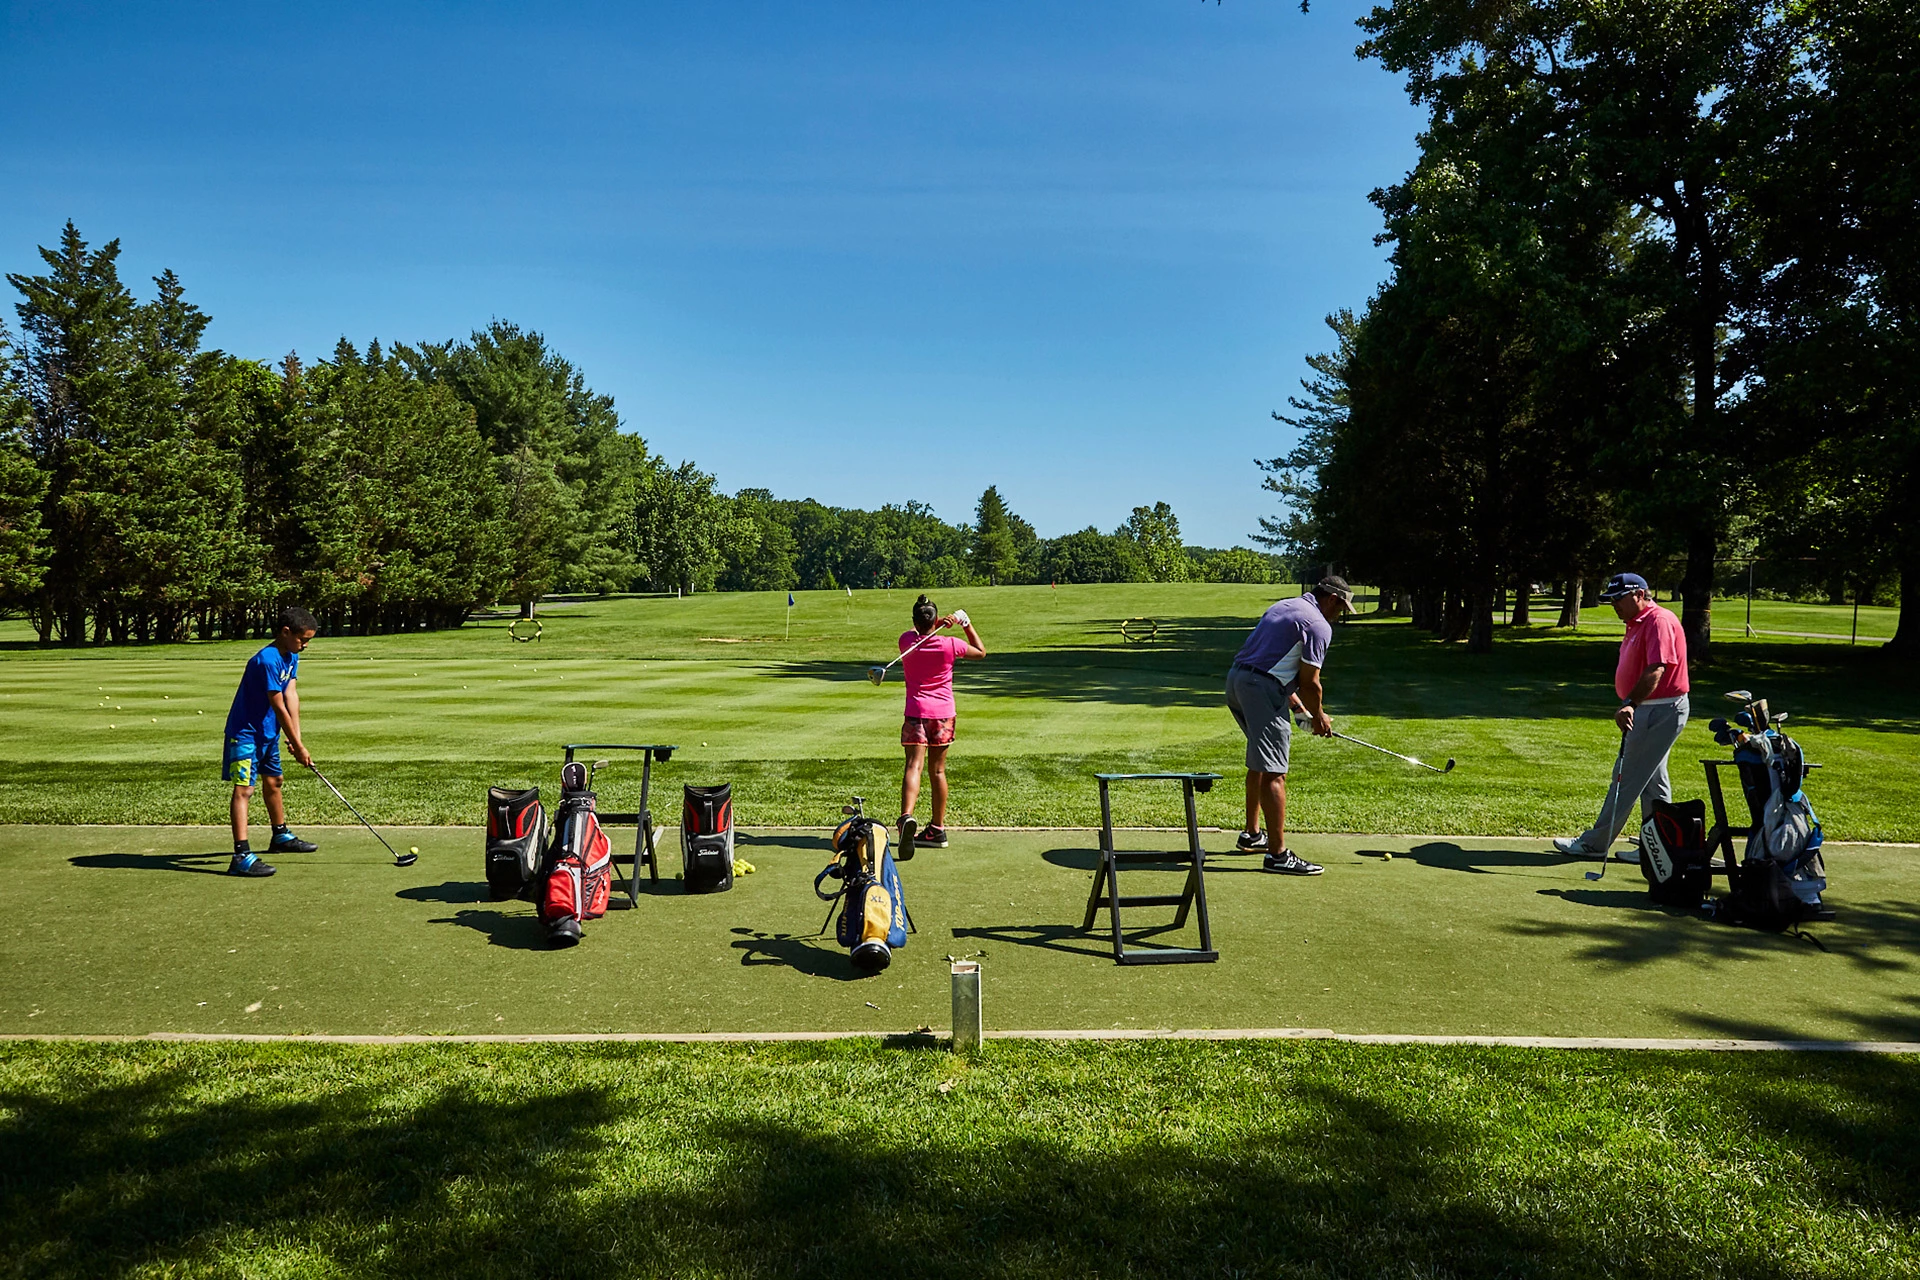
247, 759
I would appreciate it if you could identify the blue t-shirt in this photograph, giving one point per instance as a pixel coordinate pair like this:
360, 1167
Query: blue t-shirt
268, 671
1292, 632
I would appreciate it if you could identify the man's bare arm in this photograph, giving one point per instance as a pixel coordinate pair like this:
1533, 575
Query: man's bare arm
1311, 697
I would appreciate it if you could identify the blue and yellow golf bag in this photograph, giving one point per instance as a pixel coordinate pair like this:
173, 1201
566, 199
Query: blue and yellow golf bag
873, 908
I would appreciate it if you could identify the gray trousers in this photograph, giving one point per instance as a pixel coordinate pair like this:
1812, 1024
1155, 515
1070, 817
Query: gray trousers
1643, 770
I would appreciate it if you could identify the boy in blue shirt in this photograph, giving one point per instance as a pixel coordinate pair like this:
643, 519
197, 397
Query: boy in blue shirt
265, 705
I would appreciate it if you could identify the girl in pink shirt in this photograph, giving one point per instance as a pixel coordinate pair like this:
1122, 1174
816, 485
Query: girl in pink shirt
927, 731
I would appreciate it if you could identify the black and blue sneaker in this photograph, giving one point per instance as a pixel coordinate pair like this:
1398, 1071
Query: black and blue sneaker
287, 842
248, 864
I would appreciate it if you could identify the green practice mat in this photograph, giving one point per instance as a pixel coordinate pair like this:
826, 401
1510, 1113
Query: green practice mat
130, 931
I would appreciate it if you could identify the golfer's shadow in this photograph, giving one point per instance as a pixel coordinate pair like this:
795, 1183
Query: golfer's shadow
448, 891
206, 864
801, 954
1447, 856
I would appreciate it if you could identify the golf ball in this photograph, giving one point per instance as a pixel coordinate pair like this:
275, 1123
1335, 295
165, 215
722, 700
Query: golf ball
413, 848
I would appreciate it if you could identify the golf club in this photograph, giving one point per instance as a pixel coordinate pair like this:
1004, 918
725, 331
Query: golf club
878, 675
1613, 804
1395, 754
399, 859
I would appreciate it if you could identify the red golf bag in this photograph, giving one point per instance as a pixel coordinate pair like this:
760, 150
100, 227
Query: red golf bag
579, 869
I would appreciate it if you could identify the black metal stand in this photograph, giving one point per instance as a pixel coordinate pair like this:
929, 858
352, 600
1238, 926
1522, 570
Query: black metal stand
646, 850
1192, 896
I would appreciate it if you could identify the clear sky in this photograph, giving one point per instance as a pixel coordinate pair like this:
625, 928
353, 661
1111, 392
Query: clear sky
860, 251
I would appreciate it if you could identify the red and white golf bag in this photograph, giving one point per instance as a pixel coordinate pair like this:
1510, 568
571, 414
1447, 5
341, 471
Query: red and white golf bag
579, 862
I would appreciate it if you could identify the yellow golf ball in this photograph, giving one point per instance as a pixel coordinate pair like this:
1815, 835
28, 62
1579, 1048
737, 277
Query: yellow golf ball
413, 848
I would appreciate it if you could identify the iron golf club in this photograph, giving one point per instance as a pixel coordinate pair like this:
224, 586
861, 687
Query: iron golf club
1613, 804
399, 859
1395, 754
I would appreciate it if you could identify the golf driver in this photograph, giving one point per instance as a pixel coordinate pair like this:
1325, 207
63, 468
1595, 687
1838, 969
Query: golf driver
878, 675
1613, 803
399, 859
1395, 754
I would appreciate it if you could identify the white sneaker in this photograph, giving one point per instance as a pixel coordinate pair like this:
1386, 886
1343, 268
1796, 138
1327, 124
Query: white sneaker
1572, 848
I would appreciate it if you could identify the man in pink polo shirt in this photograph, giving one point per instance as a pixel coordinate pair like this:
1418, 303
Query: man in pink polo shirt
1651, 680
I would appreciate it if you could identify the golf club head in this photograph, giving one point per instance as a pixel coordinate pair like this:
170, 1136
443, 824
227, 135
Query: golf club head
1740, 695
1595, 875
876, 675
1780, 718
1744, 720
405, 859
1449, 768
1718, 724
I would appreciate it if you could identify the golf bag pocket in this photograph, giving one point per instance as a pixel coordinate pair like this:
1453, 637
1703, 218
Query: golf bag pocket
579, 870
706, 839
1673, 854
516, 841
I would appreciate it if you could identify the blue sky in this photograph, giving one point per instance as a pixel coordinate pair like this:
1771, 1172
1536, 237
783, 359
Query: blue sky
863, 252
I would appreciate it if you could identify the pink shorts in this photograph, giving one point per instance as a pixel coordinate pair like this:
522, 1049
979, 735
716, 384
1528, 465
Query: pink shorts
920, 731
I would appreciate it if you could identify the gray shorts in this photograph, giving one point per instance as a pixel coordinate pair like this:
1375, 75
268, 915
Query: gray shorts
1259, 705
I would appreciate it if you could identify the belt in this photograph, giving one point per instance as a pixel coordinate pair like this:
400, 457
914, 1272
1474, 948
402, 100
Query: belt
1663, 702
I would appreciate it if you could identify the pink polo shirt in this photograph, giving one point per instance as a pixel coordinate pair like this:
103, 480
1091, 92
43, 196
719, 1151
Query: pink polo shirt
929, 673
1654, 636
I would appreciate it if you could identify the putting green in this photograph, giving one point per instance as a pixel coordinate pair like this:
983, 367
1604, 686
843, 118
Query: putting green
130, 931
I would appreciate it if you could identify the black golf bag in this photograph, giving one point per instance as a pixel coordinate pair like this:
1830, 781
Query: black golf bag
873, 907
706, 839
1674, 857
579, 866
516, 842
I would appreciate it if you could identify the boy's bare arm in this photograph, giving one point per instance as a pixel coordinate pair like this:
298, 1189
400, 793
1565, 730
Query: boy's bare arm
286, 705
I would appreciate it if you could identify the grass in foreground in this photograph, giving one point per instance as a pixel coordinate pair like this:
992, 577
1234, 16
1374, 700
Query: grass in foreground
415, 727
1027, 1160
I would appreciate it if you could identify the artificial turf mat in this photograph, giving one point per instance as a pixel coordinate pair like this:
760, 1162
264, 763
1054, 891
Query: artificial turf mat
130, 930
1271, 1159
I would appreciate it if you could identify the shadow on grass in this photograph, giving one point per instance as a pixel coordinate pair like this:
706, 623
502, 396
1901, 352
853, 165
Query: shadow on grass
521, 931
448, 891
206, 864
814, 955
515, 1164
1881, 937
1447, 856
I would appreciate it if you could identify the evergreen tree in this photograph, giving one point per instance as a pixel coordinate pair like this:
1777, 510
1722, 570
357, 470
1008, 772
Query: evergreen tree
996, 554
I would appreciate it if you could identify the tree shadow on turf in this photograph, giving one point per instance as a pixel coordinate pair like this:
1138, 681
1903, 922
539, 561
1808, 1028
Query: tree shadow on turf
424, 1162
1879, 937
206, 864
813, 955
522, 931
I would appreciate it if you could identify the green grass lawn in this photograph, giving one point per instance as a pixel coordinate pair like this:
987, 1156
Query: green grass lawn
414, 727
1465, 937
1025, 1160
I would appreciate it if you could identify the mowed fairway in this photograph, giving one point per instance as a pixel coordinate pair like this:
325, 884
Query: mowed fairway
415, 727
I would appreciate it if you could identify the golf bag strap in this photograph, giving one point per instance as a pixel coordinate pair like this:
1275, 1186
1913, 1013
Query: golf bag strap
831, 869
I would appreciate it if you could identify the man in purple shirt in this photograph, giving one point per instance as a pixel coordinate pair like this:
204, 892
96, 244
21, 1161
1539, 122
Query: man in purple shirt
1276, 670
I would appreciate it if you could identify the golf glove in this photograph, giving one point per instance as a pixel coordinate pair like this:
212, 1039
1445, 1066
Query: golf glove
960, 616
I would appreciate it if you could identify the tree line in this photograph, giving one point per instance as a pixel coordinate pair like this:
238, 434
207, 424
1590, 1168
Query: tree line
152, 489
1652, 297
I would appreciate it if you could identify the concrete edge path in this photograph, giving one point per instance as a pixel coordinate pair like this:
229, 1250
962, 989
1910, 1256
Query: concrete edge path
1228, 1033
